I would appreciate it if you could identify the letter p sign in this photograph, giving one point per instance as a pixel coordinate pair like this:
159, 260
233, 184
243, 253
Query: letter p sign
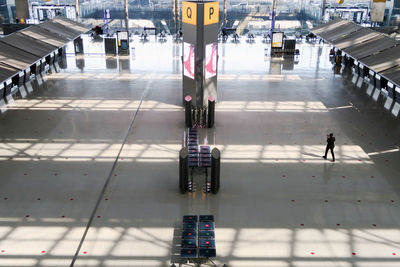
211, 13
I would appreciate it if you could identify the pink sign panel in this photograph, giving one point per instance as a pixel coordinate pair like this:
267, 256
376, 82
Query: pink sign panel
188, 60
211, 60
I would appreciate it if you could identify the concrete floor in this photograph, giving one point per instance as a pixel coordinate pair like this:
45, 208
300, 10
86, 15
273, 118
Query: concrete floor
280, 203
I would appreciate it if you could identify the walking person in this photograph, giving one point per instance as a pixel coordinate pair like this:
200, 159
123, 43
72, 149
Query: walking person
330, 146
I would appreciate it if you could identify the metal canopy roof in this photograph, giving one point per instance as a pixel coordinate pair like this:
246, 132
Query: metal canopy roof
60, 29
370, 47
362, 35
6, 72
384, 60
392, 75
22, 49
15, 57
45, 36
28, 44
328, 26
71, 24
343, 30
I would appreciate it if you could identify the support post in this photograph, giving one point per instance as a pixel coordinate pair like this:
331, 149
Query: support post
126, 10
225, 13
323, 7
273, 18
77, 9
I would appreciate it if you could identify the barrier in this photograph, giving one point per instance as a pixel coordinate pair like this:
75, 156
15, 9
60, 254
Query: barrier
215, 170
183, 170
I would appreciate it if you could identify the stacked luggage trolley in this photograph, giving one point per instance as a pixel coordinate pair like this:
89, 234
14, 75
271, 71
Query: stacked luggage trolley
198, 240
198, 159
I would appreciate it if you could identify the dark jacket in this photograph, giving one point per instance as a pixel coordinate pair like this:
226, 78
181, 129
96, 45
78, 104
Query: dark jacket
331, 141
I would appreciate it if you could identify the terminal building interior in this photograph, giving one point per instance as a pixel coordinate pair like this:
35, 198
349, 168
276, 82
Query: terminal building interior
197, 133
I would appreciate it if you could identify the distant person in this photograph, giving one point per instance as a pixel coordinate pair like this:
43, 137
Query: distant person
330, 140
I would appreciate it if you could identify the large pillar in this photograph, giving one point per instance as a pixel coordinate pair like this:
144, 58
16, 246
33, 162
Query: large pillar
22, 9
273, 17
77, 9
200, 50
126, 8
225, 13
323, 7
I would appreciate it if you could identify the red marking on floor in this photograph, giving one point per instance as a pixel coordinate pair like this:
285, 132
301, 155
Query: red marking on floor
292, 200
302, 224
85, 252
62, 216
115, 174
353, 253
338, 224
38, 157
326, 200
71, 198
359, 160
25, 174
3, 251
283, 176
394, 254
312, 253
277, 160
55, 174
313, 176
374, 225
43, 251
66, 157
106, 198
372, 176
122, 158
27, 216
358, 201
6, 198
392, 200
343, 176
38, 198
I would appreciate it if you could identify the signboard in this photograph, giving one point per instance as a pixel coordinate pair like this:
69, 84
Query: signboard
277, 39
378, 10
211, 60
188, 60
211, 13
189, 12
107, 14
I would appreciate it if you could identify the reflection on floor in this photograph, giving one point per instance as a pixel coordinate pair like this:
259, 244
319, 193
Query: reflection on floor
280, 203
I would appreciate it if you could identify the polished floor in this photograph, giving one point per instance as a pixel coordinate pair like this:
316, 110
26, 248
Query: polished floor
89, 170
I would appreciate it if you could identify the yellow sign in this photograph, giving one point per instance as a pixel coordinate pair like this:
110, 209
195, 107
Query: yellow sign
211, 13
340, 1
189, 12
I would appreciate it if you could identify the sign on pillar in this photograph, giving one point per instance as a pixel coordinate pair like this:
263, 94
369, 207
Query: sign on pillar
200, 24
